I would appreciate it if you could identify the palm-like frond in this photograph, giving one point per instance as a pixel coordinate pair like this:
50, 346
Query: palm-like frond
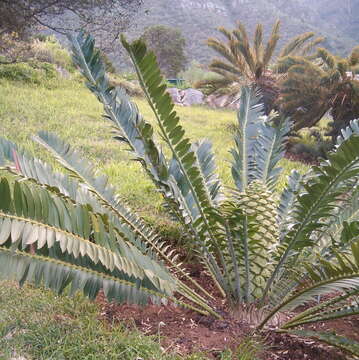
208, 224
319, 198
36, 224
269, 149
218, 65
343, 343
354, 57
335, 308
318, 84
244, 46
249, 113
288, 198
138, 134
312, 45
249, 63
341, 276
258, 42
286, 62
223, 50
327, 58
271, 44
93, 191
296, 44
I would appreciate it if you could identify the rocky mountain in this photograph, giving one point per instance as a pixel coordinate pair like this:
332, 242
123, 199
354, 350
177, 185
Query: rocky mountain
198, 19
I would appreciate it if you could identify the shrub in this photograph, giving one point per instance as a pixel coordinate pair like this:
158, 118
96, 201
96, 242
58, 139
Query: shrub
131, 88
32, 73
267, 253
196, 73
50, 51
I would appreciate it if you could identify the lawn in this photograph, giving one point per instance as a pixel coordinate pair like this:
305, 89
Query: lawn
36, 323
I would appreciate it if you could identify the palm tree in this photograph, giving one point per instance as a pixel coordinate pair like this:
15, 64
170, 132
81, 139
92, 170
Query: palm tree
312, 88
246, 63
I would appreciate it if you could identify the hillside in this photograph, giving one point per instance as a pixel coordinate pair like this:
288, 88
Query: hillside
198, 19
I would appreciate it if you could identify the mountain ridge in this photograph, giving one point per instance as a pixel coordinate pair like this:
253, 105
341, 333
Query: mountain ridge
198, 20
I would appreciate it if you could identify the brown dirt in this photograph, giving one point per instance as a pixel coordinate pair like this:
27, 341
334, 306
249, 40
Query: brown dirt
183, 331
304, 158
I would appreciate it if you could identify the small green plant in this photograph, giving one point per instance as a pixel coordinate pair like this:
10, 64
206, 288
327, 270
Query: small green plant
49, 50
32, 73
310, 144
267, 253
196, 73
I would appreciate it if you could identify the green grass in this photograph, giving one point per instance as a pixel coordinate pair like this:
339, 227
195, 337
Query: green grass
74, 114
37, 324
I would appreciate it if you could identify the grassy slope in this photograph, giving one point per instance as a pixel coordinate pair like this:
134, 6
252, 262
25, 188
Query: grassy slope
75, 115
45, 326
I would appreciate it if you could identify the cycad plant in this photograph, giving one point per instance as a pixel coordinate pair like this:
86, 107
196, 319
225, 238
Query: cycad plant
325, 83
267, 253
243, 63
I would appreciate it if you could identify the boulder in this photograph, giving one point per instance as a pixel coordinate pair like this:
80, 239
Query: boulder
192, 97
175, 95
223, 101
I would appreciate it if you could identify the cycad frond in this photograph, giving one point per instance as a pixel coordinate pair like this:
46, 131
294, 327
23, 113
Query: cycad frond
222, 50
353, 59
288, 198
327, 58
43, 224
208, 224
286, 62
220, 65
258, 43
337, 276
295, 44
226, 33
244, 46
269, 149
305, 51
249, 113
340, 342
271, 44
319, 198
335, 308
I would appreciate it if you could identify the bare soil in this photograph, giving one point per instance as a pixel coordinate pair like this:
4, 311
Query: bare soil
184, 331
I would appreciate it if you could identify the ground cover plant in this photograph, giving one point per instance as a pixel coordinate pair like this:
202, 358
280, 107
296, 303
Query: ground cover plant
257, 249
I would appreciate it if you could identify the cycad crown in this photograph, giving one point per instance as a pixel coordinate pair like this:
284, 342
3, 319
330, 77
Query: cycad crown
274, 252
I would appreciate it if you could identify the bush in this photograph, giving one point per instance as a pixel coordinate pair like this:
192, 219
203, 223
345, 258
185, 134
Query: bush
31, 73
310, 144
49, 50
131, 88
195, 73
110, 68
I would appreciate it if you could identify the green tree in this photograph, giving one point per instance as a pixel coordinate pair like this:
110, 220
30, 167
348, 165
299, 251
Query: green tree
267, 253
327, 83
244, 63
168, 44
